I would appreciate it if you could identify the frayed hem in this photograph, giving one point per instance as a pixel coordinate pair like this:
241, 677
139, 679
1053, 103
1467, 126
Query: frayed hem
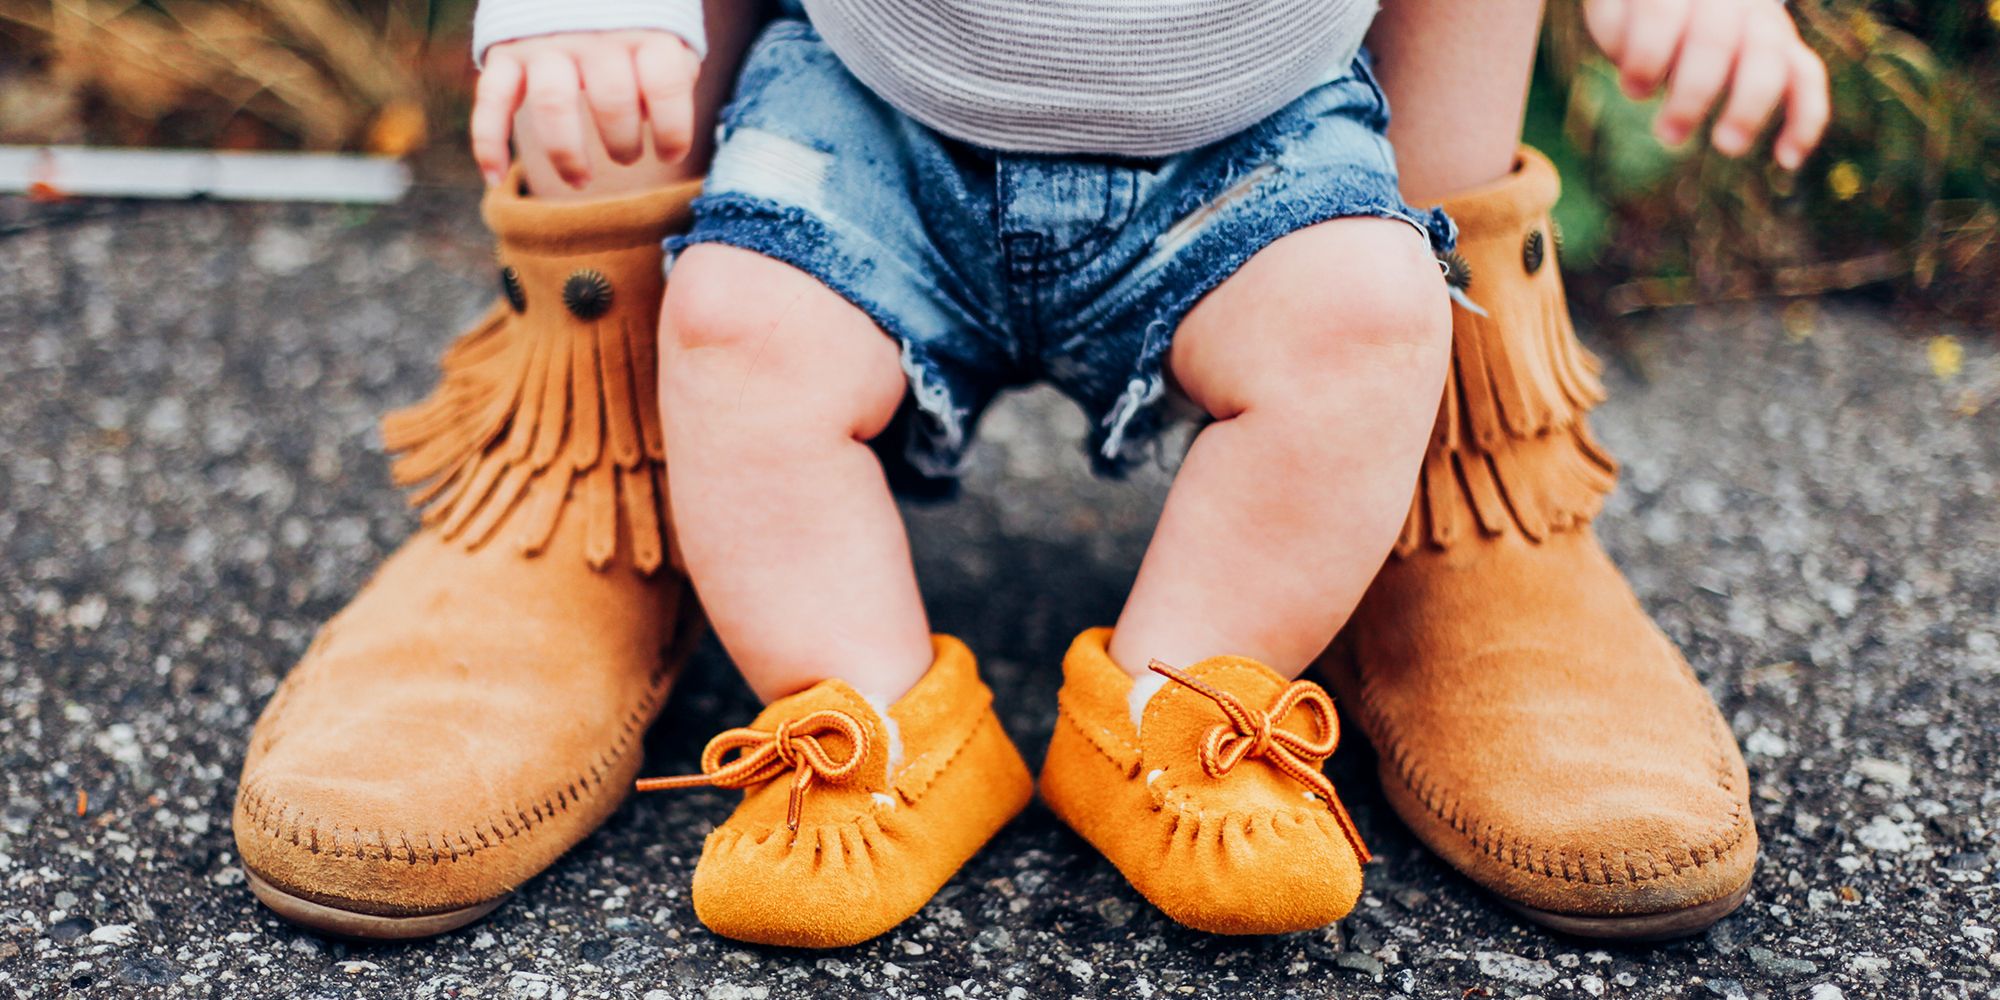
1140, 394
936, 447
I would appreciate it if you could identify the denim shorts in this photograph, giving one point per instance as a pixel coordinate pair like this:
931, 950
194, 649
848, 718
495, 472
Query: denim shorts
994, 270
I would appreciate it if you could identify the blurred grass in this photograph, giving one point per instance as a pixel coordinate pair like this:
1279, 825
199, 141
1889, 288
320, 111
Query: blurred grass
386, 76
1904, 198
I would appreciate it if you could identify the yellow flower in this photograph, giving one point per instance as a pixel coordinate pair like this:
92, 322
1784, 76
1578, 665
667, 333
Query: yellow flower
1993, 11
1947, 357
1844, 180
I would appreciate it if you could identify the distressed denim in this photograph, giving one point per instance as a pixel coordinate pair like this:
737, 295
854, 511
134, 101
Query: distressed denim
995, 270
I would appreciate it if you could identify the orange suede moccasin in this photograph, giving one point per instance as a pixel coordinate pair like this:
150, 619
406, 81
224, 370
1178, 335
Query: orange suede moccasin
1533, 726
1215, 808
839, 838
478, 708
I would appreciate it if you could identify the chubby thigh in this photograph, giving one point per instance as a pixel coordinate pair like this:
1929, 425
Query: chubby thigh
991, 270
1320, 362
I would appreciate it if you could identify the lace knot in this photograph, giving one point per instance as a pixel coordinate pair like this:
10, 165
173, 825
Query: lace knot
796, 745
1247, 733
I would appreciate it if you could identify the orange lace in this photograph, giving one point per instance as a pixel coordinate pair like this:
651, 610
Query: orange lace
1257, 734
794, 746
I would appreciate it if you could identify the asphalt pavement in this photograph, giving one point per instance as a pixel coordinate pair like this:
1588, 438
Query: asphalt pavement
190, 482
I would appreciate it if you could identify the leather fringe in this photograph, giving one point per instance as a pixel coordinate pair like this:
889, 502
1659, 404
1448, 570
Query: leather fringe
532, 424
1512, 449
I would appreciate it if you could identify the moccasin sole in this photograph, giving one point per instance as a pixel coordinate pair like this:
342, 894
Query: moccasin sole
1639, 928
332, 920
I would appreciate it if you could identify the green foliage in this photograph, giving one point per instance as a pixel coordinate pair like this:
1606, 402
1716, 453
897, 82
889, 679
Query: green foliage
1904, 193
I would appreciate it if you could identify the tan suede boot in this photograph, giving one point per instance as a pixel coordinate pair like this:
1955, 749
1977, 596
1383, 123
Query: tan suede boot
1534, 727
478, 708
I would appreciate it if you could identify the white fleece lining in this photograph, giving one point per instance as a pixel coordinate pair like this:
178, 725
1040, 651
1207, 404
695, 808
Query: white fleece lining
1143, 690
894, 732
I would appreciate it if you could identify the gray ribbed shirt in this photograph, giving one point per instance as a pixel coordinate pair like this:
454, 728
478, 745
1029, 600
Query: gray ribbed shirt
1129, 77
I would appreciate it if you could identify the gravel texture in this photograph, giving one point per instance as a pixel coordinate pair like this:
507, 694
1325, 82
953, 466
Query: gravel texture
189, 483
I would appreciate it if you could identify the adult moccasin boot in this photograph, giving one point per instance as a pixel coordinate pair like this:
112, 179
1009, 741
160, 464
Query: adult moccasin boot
1533, 726
478, 708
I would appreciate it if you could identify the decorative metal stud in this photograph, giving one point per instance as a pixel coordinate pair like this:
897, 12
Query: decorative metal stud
510, 286
587, 293
1533, 251
1457, 273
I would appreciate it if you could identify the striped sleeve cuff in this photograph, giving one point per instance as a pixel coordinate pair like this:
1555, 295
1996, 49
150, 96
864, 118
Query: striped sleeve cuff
506, 20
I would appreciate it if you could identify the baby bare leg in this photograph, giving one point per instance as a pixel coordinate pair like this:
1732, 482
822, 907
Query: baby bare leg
1321, 361
770, 387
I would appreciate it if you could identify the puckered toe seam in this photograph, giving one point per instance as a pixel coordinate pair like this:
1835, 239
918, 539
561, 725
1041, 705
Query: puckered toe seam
276, 819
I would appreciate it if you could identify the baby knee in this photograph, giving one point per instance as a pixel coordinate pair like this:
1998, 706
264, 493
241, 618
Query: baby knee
713, 302
1385, 320
768, 346
1398, 300
1388, 317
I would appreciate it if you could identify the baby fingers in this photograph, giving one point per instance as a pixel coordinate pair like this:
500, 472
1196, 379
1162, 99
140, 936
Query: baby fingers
1708, 54
1807, 108
667, 70
1605, 19
611, 88
1653, 33
495, 99
1763, 67
555, 101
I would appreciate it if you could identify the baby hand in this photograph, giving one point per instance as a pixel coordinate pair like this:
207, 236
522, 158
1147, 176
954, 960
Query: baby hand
628, 79
1700, 47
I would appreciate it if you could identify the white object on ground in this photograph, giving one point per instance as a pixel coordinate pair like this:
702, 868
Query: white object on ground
76, 171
